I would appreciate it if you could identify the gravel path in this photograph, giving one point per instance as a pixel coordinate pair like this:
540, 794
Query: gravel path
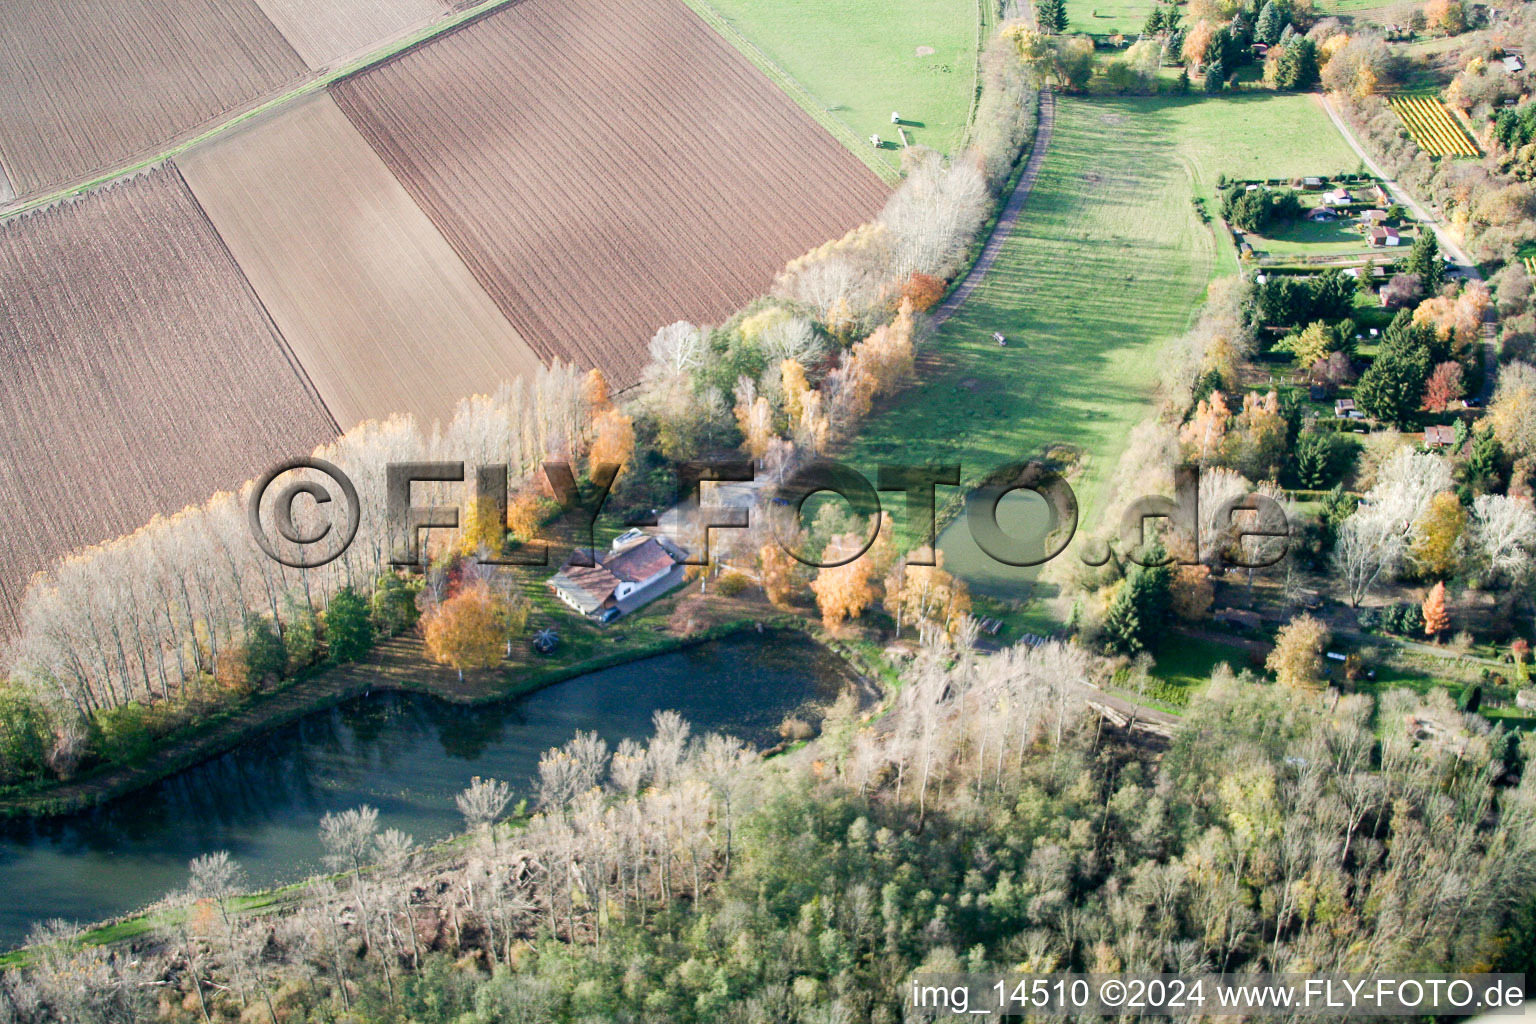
1010, 214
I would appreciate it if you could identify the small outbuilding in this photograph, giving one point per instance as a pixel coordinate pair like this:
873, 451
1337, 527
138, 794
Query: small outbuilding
1439, 437
1380, 236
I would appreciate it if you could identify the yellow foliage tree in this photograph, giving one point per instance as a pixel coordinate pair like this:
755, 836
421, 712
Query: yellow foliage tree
757, 427
467, 631
1513, 410
792, 374
926, 595
1437, 535
1297, 660
483, 529
1311, 344
1206, 431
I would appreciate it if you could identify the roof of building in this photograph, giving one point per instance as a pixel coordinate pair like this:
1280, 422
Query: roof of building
640, 561
1383, 233
1439, 435
588, 586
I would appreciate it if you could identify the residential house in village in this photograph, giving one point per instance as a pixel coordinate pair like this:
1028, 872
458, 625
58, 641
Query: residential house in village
633, 572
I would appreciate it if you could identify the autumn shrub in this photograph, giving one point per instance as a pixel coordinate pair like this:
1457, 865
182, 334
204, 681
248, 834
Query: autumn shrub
231, 672
731, 583
923, 290
394, 603
302, 639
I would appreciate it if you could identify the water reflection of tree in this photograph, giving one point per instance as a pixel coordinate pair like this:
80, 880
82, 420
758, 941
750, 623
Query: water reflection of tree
466, 732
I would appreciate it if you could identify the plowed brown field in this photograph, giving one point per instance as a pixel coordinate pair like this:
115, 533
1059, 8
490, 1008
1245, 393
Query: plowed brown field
140, 374
324, 30
86, 84
606, 167
379, 309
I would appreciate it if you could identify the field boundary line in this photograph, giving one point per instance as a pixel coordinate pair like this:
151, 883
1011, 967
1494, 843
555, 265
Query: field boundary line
983, 24
289, 354
320, 81
792, 87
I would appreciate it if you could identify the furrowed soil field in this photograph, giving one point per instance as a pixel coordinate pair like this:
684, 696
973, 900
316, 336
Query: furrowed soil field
378, 307
141, 374
323, 30
86, 84
607, 168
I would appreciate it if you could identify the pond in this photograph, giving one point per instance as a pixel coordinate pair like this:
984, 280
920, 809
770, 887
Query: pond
407, 755
1023, 514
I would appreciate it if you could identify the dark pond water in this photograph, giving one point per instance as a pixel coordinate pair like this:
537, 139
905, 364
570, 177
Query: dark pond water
405, 755
1021, 514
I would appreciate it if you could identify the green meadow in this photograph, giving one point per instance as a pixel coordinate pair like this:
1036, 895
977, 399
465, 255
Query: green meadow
1106, 266
862, 59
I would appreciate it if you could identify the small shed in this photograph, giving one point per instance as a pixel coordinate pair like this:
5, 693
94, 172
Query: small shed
1380, 236
1311, 184
1374, 216
1343, 407
1439, 437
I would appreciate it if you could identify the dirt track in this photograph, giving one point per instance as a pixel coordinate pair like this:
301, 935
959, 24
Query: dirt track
140, 374
607, 168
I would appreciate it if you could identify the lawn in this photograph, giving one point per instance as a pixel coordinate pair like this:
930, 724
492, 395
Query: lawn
862, 59
1107, 264
1108, 17
1310, 238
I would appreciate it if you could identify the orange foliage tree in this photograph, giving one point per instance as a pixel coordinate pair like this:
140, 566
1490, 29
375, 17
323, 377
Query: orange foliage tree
613, 439
525, 512
468, 630
1436, 620
779, 572
599, 398
923, 291
843, 591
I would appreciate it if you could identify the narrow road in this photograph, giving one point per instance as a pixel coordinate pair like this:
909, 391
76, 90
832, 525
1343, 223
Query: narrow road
1010, 214
1398, 193
1447, 243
